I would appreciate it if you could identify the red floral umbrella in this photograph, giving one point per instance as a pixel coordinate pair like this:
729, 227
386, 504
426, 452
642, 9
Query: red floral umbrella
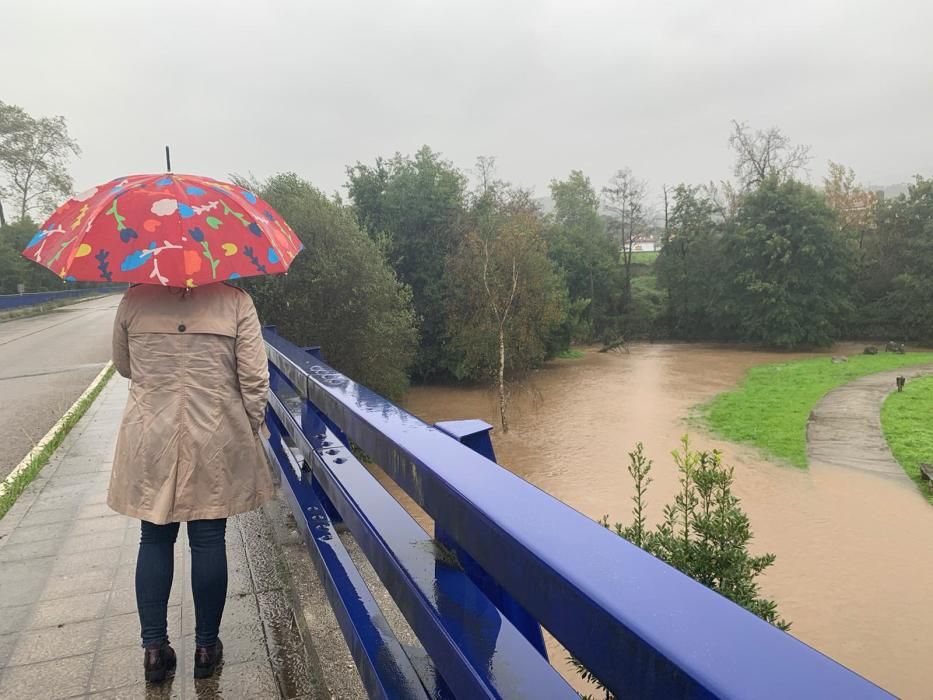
174, 230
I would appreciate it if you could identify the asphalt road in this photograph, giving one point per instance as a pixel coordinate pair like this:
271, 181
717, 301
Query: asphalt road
46, 362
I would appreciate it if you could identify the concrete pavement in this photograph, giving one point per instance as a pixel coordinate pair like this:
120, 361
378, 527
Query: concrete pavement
45, 363
845, 426
68, 626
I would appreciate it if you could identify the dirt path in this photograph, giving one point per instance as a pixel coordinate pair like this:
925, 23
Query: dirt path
845, 426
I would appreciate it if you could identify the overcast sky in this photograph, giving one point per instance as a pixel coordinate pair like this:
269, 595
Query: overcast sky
546, 87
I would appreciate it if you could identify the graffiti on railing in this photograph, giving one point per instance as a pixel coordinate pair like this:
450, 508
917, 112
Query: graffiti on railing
327, 375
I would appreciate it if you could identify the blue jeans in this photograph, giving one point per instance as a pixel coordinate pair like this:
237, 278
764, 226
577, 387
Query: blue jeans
155, 569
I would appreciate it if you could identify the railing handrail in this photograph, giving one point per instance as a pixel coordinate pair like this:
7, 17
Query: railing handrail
642, 627
467, 641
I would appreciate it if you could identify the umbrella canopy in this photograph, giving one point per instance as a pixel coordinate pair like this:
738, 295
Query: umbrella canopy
168, 229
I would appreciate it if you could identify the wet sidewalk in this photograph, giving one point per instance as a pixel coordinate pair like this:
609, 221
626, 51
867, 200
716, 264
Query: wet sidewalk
68, 623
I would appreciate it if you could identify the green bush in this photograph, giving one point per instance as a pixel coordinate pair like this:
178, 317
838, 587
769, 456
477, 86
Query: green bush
340, 293
704, 533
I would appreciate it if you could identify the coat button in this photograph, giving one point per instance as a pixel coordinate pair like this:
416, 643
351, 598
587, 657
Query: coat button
181, 327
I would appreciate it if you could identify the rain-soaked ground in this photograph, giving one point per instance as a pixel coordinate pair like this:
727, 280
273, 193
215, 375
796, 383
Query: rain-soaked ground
854, 556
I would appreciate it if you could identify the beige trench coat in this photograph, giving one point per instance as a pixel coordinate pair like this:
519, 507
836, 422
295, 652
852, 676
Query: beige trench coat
189, 447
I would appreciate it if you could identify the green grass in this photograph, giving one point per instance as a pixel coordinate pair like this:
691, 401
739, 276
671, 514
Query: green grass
41, 458
644, 257
569, 354
770, 408
907, 420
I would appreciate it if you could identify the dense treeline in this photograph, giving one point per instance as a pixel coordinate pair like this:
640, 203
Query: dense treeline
433, 273
792, 266
14, 268
34, 177
776, 272
340, 293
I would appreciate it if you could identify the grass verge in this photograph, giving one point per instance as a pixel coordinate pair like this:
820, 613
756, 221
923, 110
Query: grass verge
569, 354
39, 457
770, 408
907, 421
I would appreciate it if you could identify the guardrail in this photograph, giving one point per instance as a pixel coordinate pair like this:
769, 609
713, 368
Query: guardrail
505, 558
14, 301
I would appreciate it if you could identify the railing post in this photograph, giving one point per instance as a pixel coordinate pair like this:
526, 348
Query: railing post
475, 434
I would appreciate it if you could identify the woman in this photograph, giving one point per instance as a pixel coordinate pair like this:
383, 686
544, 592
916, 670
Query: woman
188, 449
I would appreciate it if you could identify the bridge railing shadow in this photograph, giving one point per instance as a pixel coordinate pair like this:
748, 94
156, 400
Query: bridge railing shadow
505, 560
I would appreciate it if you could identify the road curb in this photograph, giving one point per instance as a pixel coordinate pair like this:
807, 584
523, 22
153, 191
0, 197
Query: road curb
54, 431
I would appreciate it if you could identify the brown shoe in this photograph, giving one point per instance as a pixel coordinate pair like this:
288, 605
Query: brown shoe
206, 660
159, 662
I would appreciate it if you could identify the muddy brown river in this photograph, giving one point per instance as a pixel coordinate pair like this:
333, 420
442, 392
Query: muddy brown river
854, 550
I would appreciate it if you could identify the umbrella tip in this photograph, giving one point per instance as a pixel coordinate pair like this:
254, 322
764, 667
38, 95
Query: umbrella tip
168, 161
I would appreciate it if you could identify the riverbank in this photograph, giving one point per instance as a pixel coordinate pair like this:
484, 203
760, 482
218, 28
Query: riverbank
907, 421
853, 561
770, 408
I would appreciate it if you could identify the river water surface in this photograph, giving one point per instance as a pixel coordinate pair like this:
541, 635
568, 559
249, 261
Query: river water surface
854, 550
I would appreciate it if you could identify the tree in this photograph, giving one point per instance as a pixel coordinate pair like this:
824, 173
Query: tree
340, 292
506, 298
724, 197
898, 284
855, 207
492, 197
647, 309
11, 268
625, 199
581, 247
34, 157
666, 198
787, 270
856, 215
417, 204
487, 182
15, 269
704, 533
14, 122
689, 265
760, 155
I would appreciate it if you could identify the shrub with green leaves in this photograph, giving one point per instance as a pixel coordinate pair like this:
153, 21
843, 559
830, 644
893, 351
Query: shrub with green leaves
704, 533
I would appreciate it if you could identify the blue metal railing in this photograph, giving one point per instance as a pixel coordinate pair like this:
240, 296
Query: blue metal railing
14, 301
506, 558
